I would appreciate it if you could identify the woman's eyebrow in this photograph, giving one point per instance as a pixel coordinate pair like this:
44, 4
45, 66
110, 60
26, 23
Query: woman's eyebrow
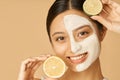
81, 27
57, 33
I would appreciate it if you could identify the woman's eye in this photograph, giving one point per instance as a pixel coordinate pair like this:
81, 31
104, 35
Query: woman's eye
83, 34
60, 38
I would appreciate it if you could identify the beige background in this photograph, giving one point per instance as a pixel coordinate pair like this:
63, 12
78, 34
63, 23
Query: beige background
23, 34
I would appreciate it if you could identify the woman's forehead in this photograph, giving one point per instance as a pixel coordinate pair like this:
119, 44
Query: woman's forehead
72, 11
61, 16
72, 16
73, 21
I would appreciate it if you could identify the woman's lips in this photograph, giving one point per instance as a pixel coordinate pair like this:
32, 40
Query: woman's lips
78, 58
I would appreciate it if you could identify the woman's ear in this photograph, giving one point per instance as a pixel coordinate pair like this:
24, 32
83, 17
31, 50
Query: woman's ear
102, 33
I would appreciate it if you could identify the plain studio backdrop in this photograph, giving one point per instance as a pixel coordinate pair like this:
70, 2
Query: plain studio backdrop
23, 34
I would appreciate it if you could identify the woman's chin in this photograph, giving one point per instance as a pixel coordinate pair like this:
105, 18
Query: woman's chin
75, 69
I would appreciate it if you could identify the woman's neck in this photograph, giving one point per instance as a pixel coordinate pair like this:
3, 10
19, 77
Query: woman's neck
92, 73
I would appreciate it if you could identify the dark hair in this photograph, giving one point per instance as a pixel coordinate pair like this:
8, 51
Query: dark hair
60, 6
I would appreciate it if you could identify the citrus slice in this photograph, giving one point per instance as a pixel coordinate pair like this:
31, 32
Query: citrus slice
92, 7
54, 67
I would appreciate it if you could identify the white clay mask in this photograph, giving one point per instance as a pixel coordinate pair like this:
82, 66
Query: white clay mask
90, 44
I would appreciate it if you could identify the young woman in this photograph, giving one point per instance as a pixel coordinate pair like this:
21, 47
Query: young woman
76, 38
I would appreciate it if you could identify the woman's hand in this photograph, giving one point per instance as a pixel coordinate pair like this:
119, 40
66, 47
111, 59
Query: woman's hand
29, 66
110, 16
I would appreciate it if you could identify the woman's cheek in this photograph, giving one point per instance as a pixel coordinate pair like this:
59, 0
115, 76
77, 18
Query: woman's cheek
60, 49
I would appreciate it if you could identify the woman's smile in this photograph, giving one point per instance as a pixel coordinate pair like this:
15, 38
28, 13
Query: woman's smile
77, 59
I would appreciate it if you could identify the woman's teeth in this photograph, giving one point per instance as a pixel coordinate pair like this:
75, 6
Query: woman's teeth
77, 57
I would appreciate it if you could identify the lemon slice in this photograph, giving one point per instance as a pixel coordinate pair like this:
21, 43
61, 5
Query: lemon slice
54, 67
92, 7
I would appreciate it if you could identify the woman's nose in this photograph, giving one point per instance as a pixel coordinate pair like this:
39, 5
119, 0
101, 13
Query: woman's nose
75, 47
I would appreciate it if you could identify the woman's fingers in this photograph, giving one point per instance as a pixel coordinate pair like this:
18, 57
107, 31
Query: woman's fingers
25, 64
111, 4
112, 26
35, 67
107, 9
29, 66
32, 62
106, 1
102, 20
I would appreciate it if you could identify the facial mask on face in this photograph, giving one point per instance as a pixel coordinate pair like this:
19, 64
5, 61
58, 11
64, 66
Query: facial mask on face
89, 44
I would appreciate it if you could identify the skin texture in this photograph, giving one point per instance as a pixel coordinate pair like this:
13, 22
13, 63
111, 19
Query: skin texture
109, 17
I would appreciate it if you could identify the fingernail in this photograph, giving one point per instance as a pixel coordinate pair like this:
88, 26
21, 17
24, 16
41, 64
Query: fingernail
103, 1
92, 17
49, 55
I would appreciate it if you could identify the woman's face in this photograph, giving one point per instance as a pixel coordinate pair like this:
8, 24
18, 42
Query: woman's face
75, 39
